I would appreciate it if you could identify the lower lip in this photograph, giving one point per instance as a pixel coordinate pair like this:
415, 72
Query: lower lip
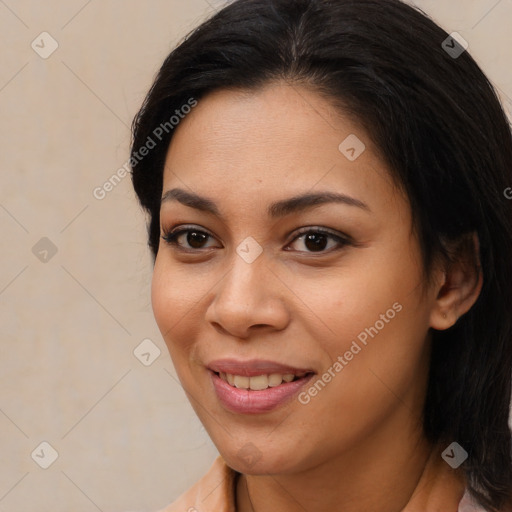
246, 401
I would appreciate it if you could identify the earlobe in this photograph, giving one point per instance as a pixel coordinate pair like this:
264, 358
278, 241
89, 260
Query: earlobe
460, 286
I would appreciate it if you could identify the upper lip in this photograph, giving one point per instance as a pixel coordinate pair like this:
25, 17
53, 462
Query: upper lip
253, 367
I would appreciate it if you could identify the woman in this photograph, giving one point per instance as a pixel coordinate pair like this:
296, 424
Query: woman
325, 182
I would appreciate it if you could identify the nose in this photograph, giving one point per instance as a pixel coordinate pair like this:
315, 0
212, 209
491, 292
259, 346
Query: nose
249, 298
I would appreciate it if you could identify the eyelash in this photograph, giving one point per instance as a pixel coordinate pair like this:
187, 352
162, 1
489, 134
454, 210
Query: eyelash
171, 236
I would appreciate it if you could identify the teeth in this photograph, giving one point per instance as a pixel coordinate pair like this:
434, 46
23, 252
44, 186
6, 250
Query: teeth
274, 379
241, 381
258, 382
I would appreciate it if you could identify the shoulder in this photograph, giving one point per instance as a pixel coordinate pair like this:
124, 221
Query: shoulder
214, 492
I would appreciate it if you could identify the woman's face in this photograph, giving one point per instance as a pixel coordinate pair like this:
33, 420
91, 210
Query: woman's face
326, 290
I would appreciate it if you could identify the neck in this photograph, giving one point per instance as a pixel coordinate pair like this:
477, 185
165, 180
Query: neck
409, 476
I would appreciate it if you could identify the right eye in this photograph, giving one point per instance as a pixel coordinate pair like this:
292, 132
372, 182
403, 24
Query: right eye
187, 238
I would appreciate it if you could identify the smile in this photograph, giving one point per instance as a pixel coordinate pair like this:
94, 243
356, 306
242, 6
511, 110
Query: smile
256, 386
259, 382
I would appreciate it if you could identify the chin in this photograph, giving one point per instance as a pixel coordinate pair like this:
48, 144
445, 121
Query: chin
251, 460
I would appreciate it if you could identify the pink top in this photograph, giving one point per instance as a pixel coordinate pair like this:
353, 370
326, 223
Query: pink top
215, 492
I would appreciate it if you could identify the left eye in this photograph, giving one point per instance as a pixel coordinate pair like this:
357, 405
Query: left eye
318, 240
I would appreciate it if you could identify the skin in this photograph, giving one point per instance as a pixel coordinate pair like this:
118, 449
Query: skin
358, 444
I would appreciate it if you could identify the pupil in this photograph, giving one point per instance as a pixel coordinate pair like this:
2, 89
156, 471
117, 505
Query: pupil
316, 241
195, 239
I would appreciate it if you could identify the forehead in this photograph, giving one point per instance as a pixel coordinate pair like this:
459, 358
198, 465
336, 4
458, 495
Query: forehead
274, 141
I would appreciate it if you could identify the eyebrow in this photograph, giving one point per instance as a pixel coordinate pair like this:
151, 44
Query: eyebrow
277, 209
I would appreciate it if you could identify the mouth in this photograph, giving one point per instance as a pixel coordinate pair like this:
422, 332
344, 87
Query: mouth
256, 386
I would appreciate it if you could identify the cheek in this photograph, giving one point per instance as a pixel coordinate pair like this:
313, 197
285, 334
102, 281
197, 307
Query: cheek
376, 319
384, 353
349, 300
176, 297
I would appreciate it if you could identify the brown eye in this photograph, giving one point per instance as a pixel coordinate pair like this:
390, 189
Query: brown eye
187, 238
315, 241
318, 240
196, 239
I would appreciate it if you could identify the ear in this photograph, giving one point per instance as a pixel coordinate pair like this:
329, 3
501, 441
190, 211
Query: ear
459, 284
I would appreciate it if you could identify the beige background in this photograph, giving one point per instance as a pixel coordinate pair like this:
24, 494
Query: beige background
126, 437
